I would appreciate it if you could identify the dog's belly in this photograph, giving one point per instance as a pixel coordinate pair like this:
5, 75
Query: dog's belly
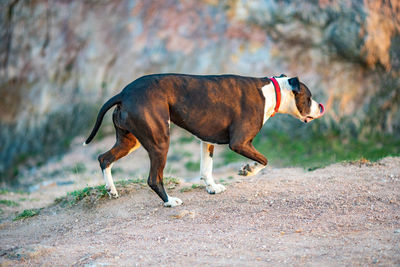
209, 129
211, 132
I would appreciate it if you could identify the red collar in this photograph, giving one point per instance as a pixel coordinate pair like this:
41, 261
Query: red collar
278, 95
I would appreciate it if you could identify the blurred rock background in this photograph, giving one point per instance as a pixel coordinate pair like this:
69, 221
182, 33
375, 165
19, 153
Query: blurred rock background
60, 59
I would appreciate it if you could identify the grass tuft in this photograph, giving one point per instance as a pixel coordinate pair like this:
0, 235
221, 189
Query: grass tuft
27, 213
94, 193
195, 186
72, 198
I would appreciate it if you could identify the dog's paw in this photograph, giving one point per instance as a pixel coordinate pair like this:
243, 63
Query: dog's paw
173, 202
215, 188
246, 170
249, 170
112, 193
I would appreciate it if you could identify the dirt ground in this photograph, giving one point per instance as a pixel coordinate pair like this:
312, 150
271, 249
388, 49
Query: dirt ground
343, 214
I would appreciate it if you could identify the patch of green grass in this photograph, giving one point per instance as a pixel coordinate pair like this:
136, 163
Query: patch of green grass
9, 203
318, 150
100, 191
195, 186
192, 166
74, 197
26, 214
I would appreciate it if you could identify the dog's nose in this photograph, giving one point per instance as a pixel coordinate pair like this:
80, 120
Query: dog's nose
321, 110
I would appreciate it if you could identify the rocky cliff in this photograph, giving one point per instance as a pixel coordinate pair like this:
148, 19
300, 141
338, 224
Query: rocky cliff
59, 60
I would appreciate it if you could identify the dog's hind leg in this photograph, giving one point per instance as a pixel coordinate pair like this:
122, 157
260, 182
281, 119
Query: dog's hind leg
153, 134
206, 164
126, 143
158, 158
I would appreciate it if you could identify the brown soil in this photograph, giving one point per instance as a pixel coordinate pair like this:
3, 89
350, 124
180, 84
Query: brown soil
344, 214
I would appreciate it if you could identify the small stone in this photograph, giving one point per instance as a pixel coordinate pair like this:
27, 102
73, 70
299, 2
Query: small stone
192, 214
180, 215
397, 231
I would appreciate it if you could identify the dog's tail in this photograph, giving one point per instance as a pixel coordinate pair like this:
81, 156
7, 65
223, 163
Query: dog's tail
109, 104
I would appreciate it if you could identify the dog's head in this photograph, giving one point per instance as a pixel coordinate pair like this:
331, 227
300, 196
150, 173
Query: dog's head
298, 101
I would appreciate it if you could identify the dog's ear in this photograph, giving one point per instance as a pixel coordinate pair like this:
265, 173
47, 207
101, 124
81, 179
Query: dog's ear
282, 75
295, 84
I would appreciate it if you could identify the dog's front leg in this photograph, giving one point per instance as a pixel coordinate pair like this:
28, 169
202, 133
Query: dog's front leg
244, 147
206, 163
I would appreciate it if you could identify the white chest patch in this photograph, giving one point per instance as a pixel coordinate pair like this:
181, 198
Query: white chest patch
270, 100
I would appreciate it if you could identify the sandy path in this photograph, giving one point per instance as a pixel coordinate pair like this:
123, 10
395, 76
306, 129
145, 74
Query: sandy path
341, 215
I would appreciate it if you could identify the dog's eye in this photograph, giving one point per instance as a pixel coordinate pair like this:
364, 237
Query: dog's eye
309, 102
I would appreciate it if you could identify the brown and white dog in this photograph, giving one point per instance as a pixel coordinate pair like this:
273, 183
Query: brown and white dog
218, 109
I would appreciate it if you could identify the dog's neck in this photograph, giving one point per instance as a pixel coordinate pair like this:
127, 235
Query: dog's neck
287, 105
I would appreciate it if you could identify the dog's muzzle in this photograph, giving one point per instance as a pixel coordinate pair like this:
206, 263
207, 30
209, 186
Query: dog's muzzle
321, 113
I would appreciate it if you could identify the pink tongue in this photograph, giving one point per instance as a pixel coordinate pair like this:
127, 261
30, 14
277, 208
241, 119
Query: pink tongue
308, 119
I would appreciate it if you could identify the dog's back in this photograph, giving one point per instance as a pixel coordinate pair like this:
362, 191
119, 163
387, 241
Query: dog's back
205, 105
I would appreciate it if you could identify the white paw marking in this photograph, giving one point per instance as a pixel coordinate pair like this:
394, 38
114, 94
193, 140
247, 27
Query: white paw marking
215, 188
173, 202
